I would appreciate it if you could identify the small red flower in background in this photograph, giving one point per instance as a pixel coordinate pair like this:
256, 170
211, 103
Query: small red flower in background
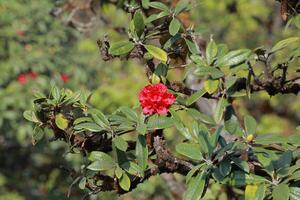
32, 74
156, 99
64, 77
20, 33
22, 78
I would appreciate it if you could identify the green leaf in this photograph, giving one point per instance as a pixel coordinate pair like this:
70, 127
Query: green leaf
159, 5
281, 192
239, 178
81, 120
97, 166
55, 93
201, 116
118, 172
160, 122
120, 48
294, 168
174, 26
215, 137
199, 61
218, 176
90, 126
61, 122
82, 183
141, 152
194, 97
191, 150
132, 168
261, 192
141, 126
122, 157
211, 71
101, 161
222, 50
243, 165
39, 95
211, 85
154, 17
193, 48
250, 124
129, 113
219, 112
250, 192
101, 156
232, 125
125, 182
294, 192
283, 43
284, 161
195, 187
139, 24
295, 176
225, 168
145, 3
270, 139
100, 118
294, 139
192, 172
184, 131
255, 192
179, 125
203, 139
161, 70
120, 143
211, 51
37, 134
181, 6
71, 98
234, 58
30, 116
266, 158
230, 81
254, 179
157, 53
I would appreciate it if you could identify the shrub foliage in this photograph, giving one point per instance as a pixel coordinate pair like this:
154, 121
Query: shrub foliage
123, 149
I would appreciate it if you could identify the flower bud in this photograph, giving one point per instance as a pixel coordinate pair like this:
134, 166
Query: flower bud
250, 138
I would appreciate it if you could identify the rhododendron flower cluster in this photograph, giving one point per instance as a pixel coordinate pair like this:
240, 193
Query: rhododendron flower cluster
23, 77
156, 99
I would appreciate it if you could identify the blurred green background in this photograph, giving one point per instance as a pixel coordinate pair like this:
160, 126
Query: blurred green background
37, 49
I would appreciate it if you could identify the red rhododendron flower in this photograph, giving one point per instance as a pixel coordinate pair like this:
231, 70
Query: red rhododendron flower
64, 77
22, 79
156, 99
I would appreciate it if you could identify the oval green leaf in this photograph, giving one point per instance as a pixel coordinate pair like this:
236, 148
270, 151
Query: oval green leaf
211, 85
192, 151
174, 26
120, 48
157, 53
61, 122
